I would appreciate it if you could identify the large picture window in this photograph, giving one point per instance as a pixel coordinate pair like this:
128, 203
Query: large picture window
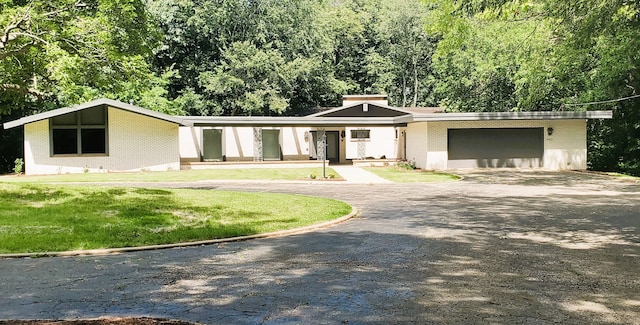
79, 133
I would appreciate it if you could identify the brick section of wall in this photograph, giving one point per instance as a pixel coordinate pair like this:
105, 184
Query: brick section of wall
565, 149
136, 142
416, 138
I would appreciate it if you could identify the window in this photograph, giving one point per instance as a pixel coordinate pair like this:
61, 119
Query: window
360, 135
79, 133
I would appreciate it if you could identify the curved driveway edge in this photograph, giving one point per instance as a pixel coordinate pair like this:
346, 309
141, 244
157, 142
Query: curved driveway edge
500, 247
301, 230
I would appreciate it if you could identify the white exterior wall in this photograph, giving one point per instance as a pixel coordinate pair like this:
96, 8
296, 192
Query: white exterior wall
382, 142
136, 142
190, 143
293, 145
416, 137
565, 149
237, 143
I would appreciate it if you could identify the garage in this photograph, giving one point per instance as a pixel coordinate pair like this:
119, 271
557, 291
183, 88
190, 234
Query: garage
495, 147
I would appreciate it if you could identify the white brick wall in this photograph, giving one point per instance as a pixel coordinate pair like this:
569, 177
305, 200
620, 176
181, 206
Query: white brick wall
565, 149
136, 142
417, 143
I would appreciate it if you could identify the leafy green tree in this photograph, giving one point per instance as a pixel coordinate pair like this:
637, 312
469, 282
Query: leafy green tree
61, 52
546, 55
249, 81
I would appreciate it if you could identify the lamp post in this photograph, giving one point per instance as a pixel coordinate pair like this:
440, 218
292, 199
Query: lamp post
324, 154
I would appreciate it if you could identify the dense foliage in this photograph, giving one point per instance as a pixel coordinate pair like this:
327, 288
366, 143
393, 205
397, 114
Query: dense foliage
546, 55
281, 57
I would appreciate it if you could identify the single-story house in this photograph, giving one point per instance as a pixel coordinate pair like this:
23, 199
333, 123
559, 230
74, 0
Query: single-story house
107, 135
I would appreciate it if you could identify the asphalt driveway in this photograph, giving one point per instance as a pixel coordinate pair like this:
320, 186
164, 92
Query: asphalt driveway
499, 247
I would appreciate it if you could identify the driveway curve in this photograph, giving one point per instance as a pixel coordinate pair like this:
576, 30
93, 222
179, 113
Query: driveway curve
498, 247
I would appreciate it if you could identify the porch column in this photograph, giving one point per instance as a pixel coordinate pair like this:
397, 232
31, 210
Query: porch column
320, 148
257, 144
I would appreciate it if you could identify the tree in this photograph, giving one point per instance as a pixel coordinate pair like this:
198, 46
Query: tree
248, 81
548, 55
61, 52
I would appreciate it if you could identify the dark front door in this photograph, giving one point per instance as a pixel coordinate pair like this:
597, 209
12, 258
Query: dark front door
212, 145
333, 146
271, 144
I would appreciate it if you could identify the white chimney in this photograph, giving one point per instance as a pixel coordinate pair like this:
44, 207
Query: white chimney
373, 99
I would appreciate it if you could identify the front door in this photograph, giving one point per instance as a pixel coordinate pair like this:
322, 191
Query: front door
333, 146
212, 145
271, 144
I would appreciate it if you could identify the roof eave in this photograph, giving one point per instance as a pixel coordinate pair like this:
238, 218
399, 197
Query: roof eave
94, 103
292, 121
543, 115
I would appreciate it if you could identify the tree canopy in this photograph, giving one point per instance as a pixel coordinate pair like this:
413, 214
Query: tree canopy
282, 57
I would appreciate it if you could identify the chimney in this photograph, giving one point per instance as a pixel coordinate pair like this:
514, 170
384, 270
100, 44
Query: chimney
372, 99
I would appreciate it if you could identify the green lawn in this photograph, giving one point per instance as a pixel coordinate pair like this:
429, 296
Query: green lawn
45, 218
178, 176
623, 176
399, 175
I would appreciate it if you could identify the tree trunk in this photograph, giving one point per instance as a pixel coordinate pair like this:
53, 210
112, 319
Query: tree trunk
415, 82
404, 90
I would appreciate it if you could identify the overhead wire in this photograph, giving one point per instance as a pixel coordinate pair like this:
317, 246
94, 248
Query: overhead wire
603, 101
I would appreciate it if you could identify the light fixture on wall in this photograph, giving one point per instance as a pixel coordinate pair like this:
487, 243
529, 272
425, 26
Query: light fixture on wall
343, 134
549, 131
306, 136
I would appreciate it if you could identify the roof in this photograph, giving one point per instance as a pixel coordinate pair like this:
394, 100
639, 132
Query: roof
91, 104
363, 109
321, 120
357, 114
539, 115
424, 109
288, 121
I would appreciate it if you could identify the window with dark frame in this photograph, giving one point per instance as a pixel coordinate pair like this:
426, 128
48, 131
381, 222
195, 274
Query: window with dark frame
79, 133
360, 135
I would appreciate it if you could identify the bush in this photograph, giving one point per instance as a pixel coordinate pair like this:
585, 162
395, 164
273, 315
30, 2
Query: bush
18, 166
408, 165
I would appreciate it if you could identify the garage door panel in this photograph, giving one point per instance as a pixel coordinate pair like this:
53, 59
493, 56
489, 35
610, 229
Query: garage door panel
495, 163
508, 147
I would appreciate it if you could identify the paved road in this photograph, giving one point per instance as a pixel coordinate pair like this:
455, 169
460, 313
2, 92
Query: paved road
500, 247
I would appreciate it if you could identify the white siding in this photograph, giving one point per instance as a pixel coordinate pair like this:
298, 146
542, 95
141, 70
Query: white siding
190, 143
136, 142
238, 143
382, 142
294, 147
566, 148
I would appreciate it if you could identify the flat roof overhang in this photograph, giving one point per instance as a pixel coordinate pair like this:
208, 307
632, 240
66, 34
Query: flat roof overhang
493, 116
319, 121
291, 121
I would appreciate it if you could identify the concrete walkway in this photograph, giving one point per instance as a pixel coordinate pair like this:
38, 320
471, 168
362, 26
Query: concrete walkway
357, 175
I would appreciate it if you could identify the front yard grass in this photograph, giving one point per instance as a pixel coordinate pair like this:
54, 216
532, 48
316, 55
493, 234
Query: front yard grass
45, 218
179, 175
400, 175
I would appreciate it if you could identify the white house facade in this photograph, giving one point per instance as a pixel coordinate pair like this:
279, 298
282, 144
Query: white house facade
109, 136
